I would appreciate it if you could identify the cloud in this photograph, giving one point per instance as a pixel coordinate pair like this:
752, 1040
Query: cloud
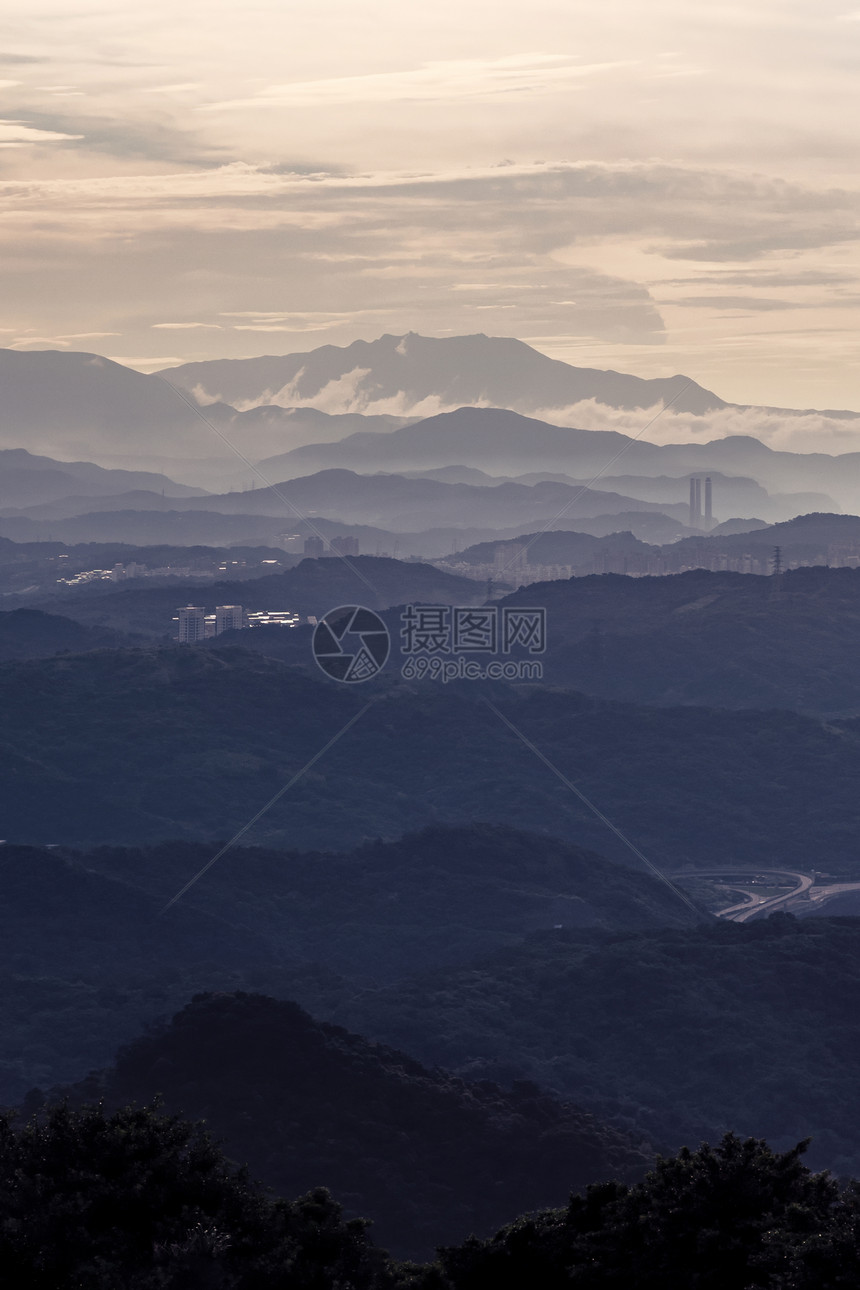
290, 321
89, 335
769, 278
781, 430
291, 328
682, 213
50, 342
63, 342
755, 303
344, 394
562, 252
17, 134
125, 138
451, 79
679, 140
184, 87
148, 363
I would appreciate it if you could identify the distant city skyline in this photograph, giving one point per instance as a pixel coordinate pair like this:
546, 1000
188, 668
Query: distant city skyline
657, 189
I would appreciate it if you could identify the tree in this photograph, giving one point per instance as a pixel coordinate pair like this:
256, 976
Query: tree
142, 1200
731, 1217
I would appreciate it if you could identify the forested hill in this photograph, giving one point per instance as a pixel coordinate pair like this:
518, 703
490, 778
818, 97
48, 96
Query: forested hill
387, 909
133, 746
677, 1034
726, 640
311, 588
428, 1157
29, 633
89, 956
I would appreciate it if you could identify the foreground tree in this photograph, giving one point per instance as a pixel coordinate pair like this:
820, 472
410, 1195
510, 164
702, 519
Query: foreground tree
138, 1199
141, 1201
732, 1217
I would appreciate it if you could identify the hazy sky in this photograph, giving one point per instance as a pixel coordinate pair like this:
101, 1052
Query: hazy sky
655, 187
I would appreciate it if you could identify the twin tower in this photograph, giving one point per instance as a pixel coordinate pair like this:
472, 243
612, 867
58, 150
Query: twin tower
698, 520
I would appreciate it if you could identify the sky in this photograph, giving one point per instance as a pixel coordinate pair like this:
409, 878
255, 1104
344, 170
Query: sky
653, 187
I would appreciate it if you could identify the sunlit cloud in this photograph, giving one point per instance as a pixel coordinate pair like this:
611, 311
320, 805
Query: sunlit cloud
463, 78
49, 342
183, 88
147, 363
660, 189
185, 326
16, 134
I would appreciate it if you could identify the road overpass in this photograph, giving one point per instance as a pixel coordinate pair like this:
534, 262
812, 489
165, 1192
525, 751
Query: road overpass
801, 889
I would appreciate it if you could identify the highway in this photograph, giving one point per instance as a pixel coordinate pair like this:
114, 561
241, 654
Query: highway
755, 903
824, 893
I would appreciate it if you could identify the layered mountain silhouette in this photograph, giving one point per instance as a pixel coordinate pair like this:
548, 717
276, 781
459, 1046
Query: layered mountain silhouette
147, 527
496, 441
395, 404
30, 480
390, 501
402, 373
73, 405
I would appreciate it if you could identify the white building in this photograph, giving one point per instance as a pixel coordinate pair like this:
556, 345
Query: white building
192, 623
229, 618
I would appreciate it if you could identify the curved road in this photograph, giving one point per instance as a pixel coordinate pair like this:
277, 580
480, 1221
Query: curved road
822, 894
741, 913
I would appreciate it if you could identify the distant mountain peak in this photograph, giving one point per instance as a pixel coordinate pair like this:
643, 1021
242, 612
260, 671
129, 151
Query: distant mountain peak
411, 374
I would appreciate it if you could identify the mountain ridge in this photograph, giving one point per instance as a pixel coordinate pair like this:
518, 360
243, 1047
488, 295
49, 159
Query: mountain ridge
502, 441
478, 367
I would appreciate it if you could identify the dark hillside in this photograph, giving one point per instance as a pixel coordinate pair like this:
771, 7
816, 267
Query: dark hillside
131, 746
677, 1034
427, 1156
89, 956
726, 640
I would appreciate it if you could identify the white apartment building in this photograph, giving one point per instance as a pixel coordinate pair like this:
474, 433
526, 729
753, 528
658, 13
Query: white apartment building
192, 623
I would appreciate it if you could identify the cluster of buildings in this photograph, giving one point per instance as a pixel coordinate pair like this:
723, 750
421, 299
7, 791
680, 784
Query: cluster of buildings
844, 555
123, 572
636, 564
834, 556
522, 575
120, 572
510, 565
194, 624
317, 546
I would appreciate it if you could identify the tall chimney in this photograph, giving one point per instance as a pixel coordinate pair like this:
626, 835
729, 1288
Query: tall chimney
692, 503
709, 514
698, 503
